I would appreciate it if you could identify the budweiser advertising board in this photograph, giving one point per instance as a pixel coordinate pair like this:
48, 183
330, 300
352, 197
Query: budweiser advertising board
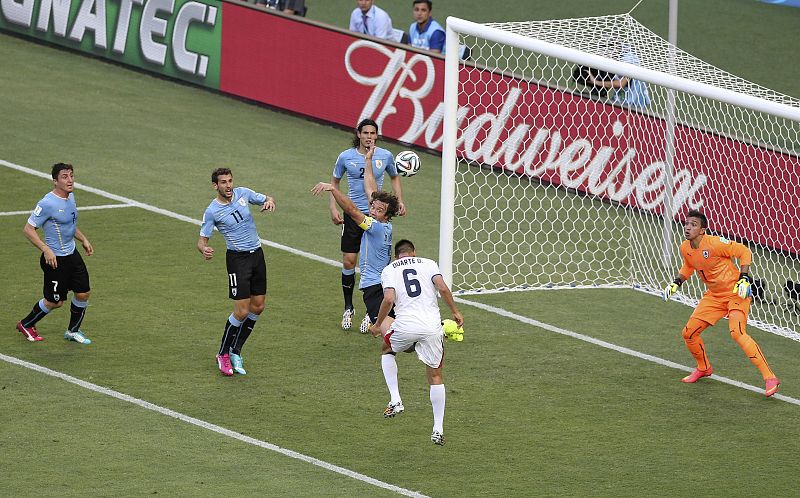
552, 135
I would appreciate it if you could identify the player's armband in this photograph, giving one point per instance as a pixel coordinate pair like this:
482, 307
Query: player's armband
364, 225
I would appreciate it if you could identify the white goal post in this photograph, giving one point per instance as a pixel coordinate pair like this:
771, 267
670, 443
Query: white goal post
552, 179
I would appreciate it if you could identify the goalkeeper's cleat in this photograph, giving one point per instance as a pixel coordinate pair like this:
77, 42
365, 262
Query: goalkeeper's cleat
669, 291
393, 409
743, 287
437, 438
77, 337
238, 364
696, 375
30, 333
224, 364
772, 386
365, 324
347, 318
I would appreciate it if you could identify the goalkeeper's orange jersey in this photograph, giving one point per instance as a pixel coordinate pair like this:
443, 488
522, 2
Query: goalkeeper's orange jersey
713, 262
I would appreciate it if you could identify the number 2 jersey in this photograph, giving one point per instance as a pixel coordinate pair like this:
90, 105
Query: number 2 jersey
712, 261
416, 306
233, 220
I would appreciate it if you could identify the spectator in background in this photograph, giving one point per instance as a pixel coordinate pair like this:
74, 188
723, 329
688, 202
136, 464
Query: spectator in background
370, 19
291, 7
627, 91
425, 32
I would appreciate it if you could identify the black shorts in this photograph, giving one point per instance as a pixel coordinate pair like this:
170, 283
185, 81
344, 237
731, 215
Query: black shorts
351, 235
70, 274
373, 296
247, 273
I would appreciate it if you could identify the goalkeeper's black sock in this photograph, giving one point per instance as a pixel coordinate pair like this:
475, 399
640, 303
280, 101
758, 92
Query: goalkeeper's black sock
244, 333
348, 284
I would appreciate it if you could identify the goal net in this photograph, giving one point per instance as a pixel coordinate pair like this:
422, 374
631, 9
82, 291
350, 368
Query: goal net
573, 150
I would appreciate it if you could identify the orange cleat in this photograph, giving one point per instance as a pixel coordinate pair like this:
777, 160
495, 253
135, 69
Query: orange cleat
696, 375
772, 386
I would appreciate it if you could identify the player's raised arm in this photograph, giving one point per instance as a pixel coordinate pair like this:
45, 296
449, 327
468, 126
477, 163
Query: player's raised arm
342, 200
370, 183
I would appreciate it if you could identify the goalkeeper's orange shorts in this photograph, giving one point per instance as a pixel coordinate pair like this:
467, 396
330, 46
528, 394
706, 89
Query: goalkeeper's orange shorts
711, 307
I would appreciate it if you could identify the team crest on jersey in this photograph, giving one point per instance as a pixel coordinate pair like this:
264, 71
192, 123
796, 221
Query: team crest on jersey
379, 163
242, 202
705, 254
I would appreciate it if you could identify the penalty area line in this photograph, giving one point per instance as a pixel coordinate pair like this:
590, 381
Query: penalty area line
211, 427
614, 347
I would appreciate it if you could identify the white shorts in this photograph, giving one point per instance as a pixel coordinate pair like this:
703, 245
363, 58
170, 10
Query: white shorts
428, 346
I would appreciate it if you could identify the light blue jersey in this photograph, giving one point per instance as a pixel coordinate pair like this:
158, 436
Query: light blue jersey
635, 94
351, 162
376, 251
233, 220
58, 218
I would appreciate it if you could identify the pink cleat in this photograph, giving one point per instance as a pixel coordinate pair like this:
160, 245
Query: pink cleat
696, 375
772, 386
30, 333
224, 363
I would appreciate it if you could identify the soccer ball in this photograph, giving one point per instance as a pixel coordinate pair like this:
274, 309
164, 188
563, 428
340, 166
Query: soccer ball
407, 163
452, 331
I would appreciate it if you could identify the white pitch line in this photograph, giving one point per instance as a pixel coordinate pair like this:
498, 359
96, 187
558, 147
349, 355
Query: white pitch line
614, 347
212, 427
80, 208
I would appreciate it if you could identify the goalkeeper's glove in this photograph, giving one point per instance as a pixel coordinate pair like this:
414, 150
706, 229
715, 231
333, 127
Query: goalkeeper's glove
742, 287
671, 289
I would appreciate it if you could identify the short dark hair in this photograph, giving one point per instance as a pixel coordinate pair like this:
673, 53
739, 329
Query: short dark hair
403, 246
429, 2
58, 168
694, 213
392, 204
364, 122
218, 172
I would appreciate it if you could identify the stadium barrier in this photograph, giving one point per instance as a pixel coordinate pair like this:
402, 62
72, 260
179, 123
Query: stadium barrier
339, 77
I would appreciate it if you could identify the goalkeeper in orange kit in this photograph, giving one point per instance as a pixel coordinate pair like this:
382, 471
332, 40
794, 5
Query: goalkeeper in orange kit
728, 294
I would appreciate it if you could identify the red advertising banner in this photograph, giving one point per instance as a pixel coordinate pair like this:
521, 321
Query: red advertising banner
558, 137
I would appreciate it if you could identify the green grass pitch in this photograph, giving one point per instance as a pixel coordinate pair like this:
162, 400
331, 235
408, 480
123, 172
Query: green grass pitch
529, 411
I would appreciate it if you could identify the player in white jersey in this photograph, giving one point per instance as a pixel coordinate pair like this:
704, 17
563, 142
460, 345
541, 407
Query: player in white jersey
410, 284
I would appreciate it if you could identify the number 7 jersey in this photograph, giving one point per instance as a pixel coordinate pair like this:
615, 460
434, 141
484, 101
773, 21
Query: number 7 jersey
416, 306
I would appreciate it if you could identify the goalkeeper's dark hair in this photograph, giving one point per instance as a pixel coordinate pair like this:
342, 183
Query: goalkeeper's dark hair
392, 204
403, 246
219, 172
700, 216
361, 125
58, 168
